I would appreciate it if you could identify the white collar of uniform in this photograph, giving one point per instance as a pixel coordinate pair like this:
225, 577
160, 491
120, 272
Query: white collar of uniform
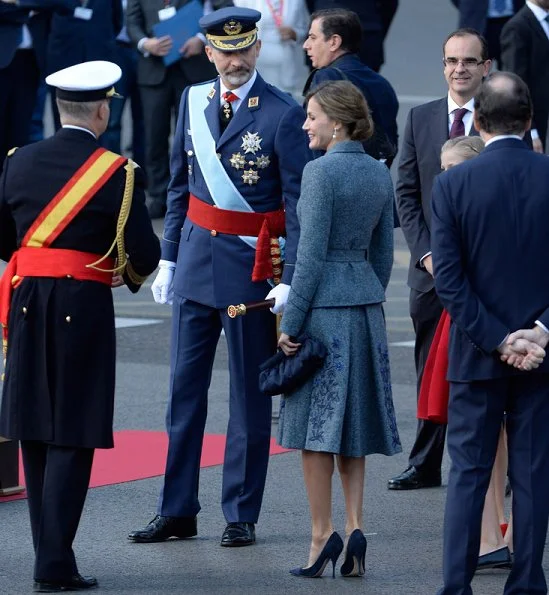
539, 13
452, 105
80, 128
241, 92
501, 137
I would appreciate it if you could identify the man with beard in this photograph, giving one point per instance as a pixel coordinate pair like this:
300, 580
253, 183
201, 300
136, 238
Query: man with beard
237, 160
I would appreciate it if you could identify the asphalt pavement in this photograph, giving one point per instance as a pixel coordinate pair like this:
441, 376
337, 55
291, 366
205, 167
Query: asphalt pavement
404, 529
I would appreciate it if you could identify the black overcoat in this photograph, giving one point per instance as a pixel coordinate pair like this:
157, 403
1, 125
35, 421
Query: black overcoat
60, 370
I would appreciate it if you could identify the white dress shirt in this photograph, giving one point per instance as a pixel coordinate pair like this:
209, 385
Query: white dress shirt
241, 92
79, 128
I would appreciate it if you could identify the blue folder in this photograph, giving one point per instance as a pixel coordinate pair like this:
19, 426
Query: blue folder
180, 28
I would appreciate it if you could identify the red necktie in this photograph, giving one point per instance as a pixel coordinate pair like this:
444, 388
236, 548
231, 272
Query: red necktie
458, 127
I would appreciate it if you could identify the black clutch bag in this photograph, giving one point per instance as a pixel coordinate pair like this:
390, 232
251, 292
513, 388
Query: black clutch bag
283, 374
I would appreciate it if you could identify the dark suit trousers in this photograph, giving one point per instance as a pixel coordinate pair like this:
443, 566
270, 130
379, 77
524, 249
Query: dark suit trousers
18, 87
475, 415
57, 480
425, 311
160, 102
251, 340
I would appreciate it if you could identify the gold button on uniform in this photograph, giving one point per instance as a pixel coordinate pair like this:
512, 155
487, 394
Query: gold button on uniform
24, 310
213, 233
190, 153
68, 318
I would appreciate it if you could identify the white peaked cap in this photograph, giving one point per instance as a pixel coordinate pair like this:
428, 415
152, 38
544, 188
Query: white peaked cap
87, 81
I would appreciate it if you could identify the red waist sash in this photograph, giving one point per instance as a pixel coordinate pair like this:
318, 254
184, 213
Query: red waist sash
267, 227
47, 262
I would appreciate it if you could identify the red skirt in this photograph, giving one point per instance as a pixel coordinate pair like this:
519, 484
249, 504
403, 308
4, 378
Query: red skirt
435, 389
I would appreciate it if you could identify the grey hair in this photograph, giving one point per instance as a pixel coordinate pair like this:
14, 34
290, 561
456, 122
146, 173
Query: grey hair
78, 110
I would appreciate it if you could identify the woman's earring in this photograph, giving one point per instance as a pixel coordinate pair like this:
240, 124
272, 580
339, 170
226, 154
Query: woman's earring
335, 132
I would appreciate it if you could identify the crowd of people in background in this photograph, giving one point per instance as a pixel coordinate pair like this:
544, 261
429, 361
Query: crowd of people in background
42, 37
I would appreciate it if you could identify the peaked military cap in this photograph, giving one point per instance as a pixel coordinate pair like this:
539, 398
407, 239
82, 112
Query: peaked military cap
231, 29
87, 81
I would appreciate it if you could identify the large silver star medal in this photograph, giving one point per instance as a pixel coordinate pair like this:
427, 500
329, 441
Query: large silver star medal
251, 142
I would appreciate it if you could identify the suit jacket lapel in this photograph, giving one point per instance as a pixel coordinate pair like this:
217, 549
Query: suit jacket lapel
212, 113
439, 127
243, 119
537, 28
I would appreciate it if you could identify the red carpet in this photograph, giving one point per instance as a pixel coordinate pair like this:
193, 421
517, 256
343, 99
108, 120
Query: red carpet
138, 455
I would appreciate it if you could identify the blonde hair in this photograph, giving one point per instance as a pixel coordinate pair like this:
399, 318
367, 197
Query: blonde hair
344, 102
466, 146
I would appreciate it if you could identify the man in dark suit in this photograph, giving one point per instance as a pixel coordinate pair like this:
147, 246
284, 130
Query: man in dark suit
373, 26
238, 146
428, 127
161, 87
488, 17
20, 69
56, 292
525, 51
498, 199
332, 45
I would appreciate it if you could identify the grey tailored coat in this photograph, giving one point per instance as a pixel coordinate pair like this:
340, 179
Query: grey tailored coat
345, 251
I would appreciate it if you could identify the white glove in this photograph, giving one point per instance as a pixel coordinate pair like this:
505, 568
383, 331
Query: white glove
280, 294
162, 287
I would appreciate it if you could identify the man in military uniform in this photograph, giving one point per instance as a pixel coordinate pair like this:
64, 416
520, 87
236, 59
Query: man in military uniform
62, 202
238, 155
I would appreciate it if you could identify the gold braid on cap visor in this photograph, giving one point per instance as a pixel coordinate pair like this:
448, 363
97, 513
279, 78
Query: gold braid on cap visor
220, 41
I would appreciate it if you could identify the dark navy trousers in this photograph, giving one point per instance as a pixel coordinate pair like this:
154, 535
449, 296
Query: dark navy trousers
251, 339
475, 416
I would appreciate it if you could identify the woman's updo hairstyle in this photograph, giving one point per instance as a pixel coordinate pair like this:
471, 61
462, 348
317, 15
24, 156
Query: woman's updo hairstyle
343, 102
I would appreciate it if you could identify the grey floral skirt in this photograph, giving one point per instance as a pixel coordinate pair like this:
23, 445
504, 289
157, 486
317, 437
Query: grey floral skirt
347, 406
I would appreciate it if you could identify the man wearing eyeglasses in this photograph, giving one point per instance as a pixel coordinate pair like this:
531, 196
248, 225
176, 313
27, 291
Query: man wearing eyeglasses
465, 60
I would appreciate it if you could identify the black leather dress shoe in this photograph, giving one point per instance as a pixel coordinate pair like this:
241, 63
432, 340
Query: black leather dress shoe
238, 534
497, 559
165, 527
75, 583
412, 479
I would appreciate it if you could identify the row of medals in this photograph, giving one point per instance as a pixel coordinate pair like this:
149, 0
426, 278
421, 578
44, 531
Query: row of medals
251, 143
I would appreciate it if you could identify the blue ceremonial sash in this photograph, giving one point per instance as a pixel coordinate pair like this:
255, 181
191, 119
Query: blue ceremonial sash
222, 190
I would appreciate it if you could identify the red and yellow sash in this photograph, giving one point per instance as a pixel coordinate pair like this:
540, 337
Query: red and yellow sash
50, 223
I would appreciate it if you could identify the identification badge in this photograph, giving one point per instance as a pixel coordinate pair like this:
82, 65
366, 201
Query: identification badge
166, 13
80, 12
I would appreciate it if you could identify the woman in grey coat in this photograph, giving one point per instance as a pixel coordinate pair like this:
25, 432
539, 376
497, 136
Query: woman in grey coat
344, 262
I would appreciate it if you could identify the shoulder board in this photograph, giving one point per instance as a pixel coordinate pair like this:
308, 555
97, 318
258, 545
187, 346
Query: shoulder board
12, 151
285, 97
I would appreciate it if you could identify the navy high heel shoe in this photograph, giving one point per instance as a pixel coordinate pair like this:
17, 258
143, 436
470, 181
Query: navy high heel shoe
355, 556
331, 551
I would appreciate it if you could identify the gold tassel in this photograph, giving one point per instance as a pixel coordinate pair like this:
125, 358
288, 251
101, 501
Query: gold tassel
120, 225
